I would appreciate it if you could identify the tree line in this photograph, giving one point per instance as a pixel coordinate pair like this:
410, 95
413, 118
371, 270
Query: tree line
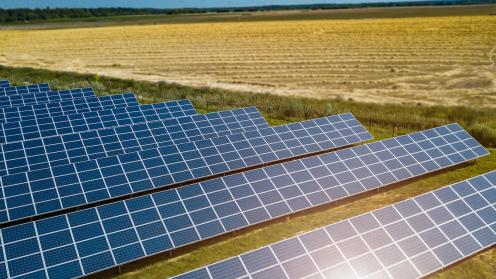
13, 15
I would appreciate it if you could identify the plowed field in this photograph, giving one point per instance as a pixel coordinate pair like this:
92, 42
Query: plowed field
444, 60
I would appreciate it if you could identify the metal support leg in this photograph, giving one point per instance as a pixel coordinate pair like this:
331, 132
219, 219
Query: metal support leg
120, 270
234, 233
170, 253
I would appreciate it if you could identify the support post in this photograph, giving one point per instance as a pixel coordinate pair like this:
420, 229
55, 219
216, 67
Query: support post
393, 125
170, 253
234, 233
120, 270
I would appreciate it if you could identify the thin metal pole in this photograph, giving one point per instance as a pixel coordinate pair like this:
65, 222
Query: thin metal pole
393, 125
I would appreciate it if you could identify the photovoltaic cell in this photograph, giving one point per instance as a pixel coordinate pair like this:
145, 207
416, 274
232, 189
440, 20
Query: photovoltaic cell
410, 239
45, 97
371, 244
24, 89
60, 150
4, 83
75, 106
75, 123
65, 186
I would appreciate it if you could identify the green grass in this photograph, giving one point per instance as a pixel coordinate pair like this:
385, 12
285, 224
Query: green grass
479, 122
281, 110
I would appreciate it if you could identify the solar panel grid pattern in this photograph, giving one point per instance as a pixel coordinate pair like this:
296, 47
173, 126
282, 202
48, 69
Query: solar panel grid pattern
24, 89
71, 185
4, 83
61, 150
410, 239
120, 232
45, 97
67, 107
74, 123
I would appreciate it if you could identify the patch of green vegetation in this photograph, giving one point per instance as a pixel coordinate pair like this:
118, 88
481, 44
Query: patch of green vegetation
479, 122
278, 110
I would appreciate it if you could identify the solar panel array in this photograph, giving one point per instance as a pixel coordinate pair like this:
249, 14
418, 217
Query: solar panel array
55, 151
24, 89
67, 107
45, 97
68, 148
4, 83
410, 239
120, 232
39, 192
74, 123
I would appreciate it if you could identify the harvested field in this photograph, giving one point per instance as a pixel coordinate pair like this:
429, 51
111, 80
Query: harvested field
443, 60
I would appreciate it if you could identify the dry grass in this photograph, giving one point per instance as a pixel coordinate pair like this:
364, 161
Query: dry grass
444, 60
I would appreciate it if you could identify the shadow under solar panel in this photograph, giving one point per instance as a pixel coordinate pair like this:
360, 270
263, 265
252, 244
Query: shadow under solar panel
45, 97
24, 89
38, 192
75, 123
60, 150
409, 239
67, 107
4, 83
120, 232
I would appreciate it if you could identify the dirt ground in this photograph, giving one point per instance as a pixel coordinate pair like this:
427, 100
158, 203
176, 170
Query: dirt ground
417, 60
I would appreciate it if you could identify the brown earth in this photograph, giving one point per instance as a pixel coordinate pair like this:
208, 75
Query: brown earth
419, 60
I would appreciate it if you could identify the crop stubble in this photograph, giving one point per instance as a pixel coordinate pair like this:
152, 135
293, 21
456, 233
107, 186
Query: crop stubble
445, 60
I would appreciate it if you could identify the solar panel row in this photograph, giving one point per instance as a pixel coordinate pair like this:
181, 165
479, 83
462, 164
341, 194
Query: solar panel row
4, 83
67, 107
74, 123
98, 238
71, 185
410, 239
45, 97
24, 89
55, 151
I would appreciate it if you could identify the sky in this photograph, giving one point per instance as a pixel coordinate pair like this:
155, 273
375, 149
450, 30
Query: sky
10, 4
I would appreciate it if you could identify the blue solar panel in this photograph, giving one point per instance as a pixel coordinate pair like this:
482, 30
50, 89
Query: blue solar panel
45, 97
24, 89
409, 239
116, 233
68, 107
4, 83
96, 180
74, 123
60, 150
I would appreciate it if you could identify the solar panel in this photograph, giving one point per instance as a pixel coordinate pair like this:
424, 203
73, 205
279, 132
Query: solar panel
409, 239
45, 97
4, 83
74, 123
24, 89
68, 107
60, 150
91, 181
120, 232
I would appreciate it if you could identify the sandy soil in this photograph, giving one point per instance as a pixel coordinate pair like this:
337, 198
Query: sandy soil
445, 60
